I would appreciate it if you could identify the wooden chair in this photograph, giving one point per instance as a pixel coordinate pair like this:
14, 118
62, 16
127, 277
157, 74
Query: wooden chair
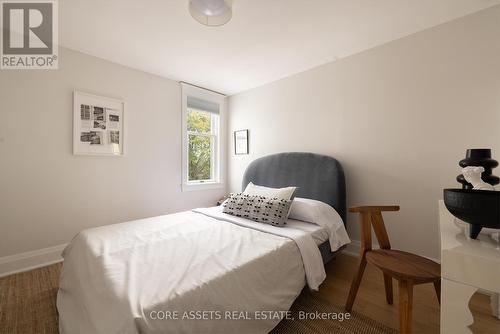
408, 269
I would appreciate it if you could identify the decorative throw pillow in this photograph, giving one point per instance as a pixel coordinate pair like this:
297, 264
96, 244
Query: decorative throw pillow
273, 211
284, 193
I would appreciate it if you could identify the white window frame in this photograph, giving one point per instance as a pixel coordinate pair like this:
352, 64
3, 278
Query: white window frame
218, 159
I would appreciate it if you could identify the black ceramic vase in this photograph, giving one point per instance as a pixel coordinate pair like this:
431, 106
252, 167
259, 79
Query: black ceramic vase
479, 157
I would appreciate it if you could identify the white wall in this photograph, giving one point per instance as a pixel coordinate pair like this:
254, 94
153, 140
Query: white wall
399, 117
46, 193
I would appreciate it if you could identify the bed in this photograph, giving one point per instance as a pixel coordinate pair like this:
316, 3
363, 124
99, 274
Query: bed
318, 177
202, 271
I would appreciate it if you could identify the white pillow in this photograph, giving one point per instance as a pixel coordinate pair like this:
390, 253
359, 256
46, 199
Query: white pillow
306, 209
322, 214
281, 193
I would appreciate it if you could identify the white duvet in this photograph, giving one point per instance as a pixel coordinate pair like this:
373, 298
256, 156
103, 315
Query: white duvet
191, 272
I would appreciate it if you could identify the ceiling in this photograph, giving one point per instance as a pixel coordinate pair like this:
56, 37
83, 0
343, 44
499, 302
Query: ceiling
266, 40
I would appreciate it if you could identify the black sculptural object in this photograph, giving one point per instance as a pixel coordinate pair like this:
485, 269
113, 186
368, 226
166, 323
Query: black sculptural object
479, 208
479, 157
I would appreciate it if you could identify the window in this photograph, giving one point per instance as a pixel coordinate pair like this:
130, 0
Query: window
202, 153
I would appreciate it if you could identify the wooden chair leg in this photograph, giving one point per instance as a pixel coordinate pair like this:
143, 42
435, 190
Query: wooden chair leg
405, 306
437, 287
388, 289
355, 285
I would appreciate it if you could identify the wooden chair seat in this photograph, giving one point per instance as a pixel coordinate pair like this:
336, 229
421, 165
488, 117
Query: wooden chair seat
405, 266
408, 269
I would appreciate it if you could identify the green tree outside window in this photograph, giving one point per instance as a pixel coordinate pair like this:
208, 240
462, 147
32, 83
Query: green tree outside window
199, 125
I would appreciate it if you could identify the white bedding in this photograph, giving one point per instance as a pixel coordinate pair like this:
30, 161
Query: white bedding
310, 254
318, 233
115, 278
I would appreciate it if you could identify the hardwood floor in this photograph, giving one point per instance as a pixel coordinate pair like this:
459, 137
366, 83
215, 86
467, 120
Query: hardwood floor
27, 301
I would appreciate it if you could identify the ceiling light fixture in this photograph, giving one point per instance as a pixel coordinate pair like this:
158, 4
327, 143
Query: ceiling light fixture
211, 12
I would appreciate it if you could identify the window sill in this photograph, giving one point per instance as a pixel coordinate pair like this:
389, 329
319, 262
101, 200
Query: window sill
202, 186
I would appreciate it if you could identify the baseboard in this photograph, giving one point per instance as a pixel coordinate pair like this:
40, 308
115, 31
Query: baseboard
30, 260
354, 248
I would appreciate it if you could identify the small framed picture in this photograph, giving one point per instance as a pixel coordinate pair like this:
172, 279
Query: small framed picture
241, 142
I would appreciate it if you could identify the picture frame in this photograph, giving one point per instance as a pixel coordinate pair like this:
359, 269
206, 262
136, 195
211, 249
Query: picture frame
241, 142
98, 125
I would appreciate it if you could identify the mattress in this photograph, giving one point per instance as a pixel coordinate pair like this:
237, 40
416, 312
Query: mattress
189, 272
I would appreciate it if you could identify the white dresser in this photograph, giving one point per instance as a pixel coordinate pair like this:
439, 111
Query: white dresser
466, 266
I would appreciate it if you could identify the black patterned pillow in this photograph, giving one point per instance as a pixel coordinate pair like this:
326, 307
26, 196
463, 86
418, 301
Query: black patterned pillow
261, 209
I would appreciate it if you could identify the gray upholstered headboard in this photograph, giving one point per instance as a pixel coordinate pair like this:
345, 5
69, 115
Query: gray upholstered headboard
318, 177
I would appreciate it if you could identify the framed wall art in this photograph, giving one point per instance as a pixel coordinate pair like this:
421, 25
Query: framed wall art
98, 125
241, 142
